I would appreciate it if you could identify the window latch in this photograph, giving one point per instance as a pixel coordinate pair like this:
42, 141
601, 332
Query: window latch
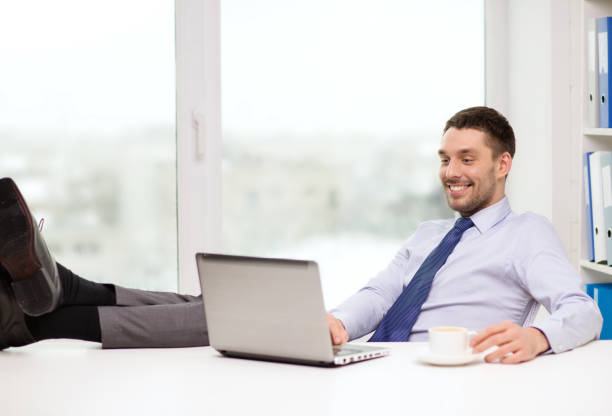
199, 124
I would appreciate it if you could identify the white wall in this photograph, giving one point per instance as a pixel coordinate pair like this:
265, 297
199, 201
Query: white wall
529, 100
530, 84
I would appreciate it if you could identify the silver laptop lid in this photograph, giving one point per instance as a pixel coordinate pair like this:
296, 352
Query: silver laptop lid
268, 307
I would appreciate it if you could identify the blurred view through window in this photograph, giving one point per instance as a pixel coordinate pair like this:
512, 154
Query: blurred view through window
333, 112
87, 108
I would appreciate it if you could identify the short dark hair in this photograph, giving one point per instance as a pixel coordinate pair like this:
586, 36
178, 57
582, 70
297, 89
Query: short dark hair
499, 133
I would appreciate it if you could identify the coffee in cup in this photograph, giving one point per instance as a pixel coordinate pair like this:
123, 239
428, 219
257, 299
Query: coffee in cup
449, 340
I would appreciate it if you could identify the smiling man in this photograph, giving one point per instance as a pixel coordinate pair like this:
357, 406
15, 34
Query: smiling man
488, 271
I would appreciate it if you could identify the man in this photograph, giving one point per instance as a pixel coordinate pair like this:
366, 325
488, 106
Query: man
500, 269
492, 277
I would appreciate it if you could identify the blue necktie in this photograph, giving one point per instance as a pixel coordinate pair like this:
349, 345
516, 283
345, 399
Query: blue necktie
398, 322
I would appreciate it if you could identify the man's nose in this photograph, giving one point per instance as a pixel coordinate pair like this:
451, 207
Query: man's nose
453, 169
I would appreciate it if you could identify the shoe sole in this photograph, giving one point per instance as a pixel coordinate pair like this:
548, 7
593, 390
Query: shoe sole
33, 287
17, 252
14, 330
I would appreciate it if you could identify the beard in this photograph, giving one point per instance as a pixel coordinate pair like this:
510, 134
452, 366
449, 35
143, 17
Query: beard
470, 206
477, 199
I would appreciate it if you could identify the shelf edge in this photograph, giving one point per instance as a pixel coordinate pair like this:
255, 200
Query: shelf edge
597, 132
596, 267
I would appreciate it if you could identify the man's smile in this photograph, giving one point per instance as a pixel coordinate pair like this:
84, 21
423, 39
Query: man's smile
458, 189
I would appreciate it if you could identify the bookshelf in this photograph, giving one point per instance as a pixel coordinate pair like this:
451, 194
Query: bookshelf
590, 138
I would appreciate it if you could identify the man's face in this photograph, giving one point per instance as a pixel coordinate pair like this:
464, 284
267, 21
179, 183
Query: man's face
471, 178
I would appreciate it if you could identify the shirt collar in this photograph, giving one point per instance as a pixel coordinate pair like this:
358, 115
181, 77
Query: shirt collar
487, 217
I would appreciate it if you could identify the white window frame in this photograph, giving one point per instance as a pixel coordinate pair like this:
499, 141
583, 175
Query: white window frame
496, 54
198, 132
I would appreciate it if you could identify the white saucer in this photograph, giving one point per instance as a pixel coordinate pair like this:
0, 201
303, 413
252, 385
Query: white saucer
437, 359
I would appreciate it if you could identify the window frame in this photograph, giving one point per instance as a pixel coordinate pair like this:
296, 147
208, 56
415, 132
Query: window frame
198, 135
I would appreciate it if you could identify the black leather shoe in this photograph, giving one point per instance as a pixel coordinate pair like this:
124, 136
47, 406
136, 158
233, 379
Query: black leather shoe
24, 254
13, 329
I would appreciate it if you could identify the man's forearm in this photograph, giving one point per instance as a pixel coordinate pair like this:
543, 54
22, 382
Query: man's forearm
570, 326
359, 314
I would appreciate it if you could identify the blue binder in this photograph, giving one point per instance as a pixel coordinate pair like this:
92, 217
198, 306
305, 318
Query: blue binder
602, 294
603, 41
597, 208
592, 96
588, 214
606, 186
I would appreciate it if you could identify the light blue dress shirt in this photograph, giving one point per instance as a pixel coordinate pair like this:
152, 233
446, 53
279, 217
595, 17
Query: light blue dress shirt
501, 269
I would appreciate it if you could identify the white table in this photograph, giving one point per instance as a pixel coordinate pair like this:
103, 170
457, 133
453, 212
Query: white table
78, 378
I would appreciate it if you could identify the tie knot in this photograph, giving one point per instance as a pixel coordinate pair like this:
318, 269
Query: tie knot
463, 224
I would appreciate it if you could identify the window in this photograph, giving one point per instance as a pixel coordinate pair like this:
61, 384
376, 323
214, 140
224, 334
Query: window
87, 110
332, 116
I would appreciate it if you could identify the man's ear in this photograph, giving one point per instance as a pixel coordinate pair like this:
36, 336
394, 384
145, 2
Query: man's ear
504, 164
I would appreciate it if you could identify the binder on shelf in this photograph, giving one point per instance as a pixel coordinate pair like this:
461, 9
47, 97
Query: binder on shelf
603, 42
588, 216
606, 185
593, 75
602, 295
597, 208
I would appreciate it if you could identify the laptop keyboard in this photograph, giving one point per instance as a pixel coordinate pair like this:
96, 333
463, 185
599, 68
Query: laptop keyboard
340, 351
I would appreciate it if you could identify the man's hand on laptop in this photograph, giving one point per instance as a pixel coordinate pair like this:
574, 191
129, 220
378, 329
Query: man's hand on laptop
336, 330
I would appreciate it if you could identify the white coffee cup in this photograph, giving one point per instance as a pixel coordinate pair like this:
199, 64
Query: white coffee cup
450, 340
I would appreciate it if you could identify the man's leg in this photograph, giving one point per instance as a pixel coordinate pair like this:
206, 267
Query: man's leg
132, 318
154, 326
137, 297
67, 321
153, 319
60, 304
78, 291
77, 315
141, 318
126, 318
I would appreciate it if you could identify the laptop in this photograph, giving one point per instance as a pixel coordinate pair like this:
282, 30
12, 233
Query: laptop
271, 309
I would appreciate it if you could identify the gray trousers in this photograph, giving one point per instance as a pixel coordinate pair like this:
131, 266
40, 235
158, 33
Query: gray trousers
144, 319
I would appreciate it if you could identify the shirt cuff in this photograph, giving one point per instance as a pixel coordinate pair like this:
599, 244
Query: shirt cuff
346, 321
554, 337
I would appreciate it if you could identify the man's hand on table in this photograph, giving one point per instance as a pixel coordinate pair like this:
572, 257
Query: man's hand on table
336, 330
515, 343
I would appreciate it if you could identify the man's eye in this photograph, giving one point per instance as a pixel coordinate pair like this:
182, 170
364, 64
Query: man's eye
467, 160
443, 161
